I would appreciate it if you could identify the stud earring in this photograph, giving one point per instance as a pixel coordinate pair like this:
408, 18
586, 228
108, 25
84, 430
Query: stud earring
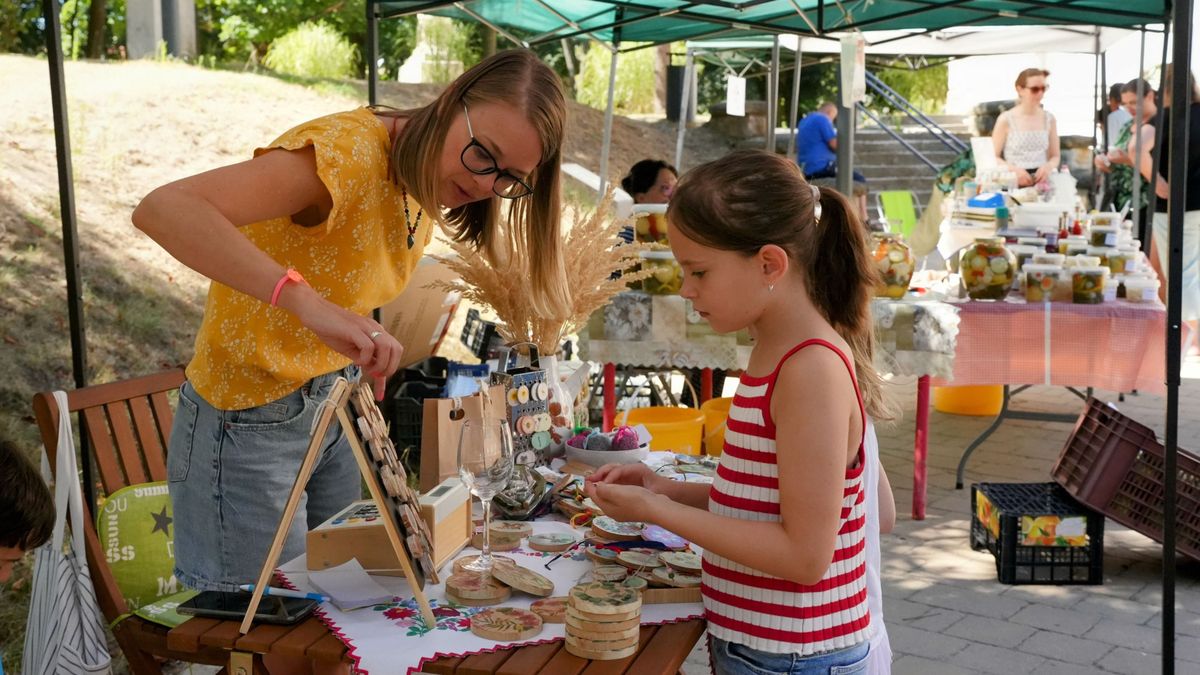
770, 288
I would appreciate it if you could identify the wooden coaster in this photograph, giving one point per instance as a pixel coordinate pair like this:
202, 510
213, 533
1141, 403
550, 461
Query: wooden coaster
510, 529
604, 644
475, 586
609, 572
670, 577
688, 563
600, 656
506, 624
605, 597
552, 610
638, 560
551, 542
635, 582
616, 530
602, 627
601, 556
460, 563
523, 579
465, 602
498, 543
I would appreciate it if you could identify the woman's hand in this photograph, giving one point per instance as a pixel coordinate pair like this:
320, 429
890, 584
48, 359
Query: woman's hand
626, 503
1023, 177
1102, 163
358, 338
1119, 156
637, 474
1043, 172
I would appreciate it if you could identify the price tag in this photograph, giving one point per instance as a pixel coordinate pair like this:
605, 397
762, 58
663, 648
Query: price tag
735, 96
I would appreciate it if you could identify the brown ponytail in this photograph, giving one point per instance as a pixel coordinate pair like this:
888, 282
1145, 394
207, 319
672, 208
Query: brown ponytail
751, 198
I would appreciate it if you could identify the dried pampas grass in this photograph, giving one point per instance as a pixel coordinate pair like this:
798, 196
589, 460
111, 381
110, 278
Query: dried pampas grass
591, 254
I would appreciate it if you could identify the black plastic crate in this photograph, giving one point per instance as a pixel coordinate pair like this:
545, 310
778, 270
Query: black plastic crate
480, 335
1037, 551
406, 419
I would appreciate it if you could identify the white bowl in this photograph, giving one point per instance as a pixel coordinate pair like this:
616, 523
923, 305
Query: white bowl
599, 458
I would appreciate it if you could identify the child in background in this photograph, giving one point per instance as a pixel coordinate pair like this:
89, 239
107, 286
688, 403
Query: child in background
783, 527
26, 508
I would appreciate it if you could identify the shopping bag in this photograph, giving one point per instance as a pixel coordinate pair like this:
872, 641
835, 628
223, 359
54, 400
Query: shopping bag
64, 632
441, 426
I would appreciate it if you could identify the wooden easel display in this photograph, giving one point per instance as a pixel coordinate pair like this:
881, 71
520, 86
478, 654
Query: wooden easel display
386, 481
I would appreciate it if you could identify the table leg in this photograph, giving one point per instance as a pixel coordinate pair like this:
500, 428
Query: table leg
706, 384
610, 396
920, 448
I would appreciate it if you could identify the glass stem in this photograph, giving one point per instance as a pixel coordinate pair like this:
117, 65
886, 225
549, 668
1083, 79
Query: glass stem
486, 556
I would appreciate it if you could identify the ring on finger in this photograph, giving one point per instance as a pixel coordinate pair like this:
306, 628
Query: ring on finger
376, 333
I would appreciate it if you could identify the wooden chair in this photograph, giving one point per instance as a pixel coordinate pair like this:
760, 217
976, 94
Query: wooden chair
128, 424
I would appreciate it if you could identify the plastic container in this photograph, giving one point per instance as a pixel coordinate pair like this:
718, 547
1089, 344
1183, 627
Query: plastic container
1114, 464
1025, 253
1056, 259
1141, 289
1038, 533
896, 263
1040, 282
1102, 252
1073, 246
1039, 242
1122, 261
716, 416
1082, 261
1087, 285
987, 269
666, 277
977, 400
1101, 235
671, 429
1105, 219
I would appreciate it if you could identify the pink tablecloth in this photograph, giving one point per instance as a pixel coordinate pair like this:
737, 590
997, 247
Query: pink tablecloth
1119, 346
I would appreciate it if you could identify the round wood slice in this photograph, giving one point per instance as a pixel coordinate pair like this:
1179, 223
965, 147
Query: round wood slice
552, 610
616, 530
681, 561
638, 560
459, 563
602, 627
609, 572
475, 586
510, 529
635, 582
498, 543
600, 656
523, 579
670, 577
602, 556
551, 542
465, 602
604, 645
605, 597
506, 624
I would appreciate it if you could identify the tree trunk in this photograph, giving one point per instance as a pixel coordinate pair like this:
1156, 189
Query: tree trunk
97, 25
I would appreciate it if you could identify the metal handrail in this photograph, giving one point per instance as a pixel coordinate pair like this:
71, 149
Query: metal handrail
891, 96
896, 136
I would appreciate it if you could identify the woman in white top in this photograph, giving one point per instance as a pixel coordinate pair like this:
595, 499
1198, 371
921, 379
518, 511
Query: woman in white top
1026, 136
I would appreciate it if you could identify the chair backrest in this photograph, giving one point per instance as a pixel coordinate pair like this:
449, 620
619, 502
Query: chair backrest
900, 208
127, 424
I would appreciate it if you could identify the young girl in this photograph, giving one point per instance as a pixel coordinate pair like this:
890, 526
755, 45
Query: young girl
783, 526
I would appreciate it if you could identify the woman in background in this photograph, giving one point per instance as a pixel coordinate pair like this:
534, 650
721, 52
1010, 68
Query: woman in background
1026, 136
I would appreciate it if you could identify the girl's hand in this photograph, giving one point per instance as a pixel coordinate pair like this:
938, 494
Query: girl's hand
350, 334
1043, 172
626, 503
1023, 177
626, 474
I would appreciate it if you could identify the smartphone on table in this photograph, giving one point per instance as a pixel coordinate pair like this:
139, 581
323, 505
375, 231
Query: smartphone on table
225, 605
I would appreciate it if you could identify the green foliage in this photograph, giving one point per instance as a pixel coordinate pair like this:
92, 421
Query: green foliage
453, 45
926, 88
634, 92
312, 50
22, 29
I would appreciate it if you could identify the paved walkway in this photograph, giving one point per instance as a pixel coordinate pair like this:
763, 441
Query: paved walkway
944, 609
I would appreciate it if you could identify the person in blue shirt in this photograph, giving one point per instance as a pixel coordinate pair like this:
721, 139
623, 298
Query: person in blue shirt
816, 150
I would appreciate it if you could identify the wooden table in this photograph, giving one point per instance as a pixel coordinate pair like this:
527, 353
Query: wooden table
309, 639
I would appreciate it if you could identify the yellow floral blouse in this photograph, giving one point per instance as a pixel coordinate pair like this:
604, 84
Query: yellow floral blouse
249, 353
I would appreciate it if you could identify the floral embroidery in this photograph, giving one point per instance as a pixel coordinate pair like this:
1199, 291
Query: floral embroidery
407, 616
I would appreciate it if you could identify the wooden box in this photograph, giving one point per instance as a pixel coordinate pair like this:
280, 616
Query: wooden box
357, 532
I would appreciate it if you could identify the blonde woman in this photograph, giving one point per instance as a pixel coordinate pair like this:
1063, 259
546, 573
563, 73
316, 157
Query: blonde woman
1026, 136
302, 242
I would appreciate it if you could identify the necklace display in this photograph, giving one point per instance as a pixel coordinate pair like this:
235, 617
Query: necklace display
412, 227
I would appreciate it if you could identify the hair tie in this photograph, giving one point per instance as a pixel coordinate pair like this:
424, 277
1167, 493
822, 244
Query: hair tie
816, 193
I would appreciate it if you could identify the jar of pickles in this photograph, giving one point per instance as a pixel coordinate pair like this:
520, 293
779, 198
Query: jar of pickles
987, 268
1087, 285
1040, 281
895, 261
666, 277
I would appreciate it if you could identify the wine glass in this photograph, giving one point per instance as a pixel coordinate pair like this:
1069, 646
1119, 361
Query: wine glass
485, 463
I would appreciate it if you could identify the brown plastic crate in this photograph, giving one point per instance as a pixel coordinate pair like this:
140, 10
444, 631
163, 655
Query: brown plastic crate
1114, 464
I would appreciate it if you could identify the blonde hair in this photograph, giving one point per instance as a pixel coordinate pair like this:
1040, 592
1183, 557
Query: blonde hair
518, 78
751, 198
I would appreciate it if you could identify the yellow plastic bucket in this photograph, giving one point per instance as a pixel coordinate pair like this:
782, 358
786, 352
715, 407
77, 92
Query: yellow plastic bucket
716, 413
980, 400
674, 429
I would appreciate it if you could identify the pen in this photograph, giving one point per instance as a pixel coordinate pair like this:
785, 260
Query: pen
285, 593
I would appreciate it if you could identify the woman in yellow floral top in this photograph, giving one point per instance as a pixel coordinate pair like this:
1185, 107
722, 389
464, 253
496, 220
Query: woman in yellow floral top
301, 243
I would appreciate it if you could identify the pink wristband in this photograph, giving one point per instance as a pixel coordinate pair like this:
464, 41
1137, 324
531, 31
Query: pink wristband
289, 275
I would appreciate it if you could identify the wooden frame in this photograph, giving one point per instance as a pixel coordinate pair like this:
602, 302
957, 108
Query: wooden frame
336, 404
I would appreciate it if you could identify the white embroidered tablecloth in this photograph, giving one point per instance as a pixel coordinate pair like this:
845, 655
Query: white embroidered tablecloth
392, 638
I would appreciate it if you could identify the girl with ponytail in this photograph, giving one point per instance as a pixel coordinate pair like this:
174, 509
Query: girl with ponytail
783, 527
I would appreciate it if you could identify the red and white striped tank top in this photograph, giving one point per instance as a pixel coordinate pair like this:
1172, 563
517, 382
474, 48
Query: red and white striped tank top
764, 612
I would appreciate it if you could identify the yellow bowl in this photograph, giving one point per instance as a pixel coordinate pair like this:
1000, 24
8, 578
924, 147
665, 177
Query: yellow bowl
980, 400
716, 415
671, 429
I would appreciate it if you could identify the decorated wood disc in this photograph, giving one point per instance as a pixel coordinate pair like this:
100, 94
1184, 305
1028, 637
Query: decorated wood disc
601, 656
467, 602
601, 627
601, 556
475, 586
635, 582
638, 560
498, 543
506, 624
671, 577
552, 610
523, 579
686, 562
605, 597
616, 530
460, 563
510, 529
609, 572
551, 542
628, 639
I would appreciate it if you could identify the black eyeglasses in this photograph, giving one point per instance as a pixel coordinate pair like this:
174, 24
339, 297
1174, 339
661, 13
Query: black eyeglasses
480, 162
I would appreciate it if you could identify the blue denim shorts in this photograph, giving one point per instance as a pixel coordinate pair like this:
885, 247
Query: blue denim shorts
731, 658
230, 473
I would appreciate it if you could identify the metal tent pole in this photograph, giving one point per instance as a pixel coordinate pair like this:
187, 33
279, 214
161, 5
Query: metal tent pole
372, 49
773, 95
1099, 101
795, 107
1136, 198
685, 100
608, 111
845, 148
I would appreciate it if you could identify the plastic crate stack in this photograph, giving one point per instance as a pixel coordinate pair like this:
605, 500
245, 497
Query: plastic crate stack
1114, 464
404, 405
